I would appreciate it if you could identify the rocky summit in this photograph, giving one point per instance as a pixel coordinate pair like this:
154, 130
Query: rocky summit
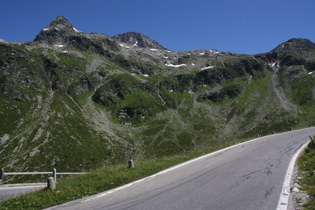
138, 39
56, 32
76, 101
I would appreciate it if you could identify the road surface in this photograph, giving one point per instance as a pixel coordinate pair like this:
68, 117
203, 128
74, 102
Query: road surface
13, 190
245, 176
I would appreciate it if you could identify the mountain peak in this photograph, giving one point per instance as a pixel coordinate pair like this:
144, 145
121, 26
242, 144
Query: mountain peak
56, 31
138, 39
60, 23
295, 46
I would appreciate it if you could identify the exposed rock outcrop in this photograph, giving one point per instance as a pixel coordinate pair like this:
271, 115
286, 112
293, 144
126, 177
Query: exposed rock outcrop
138, 39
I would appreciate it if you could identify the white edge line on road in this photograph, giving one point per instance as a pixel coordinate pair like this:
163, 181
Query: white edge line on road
285, 193
89, 198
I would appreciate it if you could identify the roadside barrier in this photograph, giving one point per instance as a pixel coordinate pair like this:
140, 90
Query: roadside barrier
51, 182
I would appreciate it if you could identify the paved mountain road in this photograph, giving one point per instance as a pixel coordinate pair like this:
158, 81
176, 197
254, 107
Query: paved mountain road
245, 176
13, 190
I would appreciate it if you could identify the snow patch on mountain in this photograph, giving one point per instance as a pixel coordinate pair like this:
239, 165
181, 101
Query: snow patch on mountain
76, 30
176, 66
207, 67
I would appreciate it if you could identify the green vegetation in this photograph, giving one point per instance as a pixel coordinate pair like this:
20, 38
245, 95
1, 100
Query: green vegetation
300, 87
11, 113
306, 167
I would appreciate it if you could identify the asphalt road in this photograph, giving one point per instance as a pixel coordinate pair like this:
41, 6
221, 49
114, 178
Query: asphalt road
245, 176
14, 190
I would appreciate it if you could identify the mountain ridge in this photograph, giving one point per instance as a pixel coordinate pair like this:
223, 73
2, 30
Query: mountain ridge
78, 101
62, 25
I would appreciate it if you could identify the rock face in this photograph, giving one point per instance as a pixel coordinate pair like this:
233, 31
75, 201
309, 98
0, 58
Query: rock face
138, 39
56, 32
61, 33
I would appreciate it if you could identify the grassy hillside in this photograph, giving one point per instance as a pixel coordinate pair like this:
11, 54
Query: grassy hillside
76, 109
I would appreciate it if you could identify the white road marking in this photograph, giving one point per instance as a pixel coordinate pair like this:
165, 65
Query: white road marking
285, 193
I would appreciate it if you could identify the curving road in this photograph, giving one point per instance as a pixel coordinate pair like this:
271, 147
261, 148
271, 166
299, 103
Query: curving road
245, 176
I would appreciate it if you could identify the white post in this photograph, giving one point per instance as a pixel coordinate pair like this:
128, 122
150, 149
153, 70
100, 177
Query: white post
55, 175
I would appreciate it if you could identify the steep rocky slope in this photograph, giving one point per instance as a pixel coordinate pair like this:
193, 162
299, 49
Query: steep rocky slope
78, 101
138, 39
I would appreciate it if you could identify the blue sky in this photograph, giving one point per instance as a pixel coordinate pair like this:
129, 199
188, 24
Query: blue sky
241, 26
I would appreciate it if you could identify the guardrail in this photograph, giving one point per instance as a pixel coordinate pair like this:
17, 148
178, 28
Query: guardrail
54, 174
